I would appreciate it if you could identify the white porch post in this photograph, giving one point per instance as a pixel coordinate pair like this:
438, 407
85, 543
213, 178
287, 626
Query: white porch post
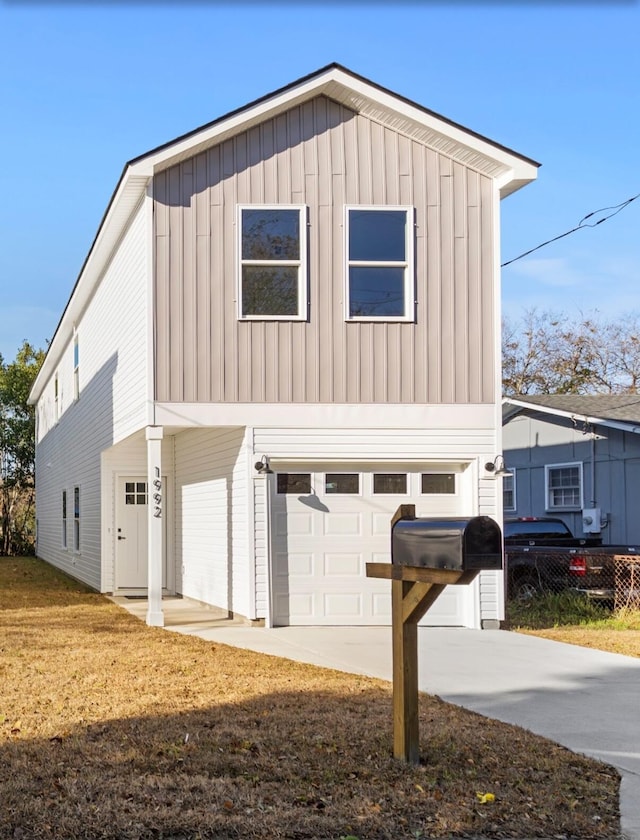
155, 616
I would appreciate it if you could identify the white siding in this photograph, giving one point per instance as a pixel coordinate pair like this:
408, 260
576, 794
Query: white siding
212, 520
112, 404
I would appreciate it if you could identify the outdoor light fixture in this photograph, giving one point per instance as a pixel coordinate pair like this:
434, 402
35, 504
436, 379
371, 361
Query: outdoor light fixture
262, 466
497, 467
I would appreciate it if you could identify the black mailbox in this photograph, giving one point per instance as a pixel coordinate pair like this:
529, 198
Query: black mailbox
447, 543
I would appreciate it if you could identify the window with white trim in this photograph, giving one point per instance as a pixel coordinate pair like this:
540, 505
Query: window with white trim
379, 275
509, 492
56, 397
272, 283
76, 519
564, 486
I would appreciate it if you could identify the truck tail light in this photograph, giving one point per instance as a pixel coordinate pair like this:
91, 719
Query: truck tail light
578, 566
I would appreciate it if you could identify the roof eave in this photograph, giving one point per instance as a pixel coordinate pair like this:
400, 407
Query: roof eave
633, 428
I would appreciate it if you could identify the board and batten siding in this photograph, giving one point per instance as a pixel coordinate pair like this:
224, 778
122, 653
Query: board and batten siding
365, 446
113, 393
212, 498
323, 156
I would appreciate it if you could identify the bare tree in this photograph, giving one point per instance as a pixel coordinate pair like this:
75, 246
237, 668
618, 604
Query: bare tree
550, 353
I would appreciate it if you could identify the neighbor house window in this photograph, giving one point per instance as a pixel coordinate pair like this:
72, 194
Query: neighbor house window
76, 367
56, 396
64, 518
273, 275
509, 492
564, 486
379, 246
76, 519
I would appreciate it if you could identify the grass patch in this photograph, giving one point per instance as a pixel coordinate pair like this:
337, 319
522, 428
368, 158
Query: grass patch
111, 729
570, 617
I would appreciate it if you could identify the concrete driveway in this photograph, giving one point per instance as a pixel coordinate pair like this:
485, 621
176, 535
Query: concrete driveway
587, 700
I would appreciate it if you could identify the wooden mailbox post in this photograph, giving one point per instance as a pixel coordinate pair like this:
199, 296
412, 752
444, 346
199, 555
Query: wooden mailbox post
414, 589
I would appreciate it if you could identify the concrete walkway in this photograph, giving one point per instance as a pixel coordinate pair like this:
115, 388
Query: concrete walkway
586, 700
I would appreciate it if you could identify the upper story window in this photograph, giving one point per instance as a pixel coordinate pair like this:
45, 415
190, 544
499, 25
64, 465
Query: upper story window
273, 256
76, 367
56, 397
564, 486
379, 246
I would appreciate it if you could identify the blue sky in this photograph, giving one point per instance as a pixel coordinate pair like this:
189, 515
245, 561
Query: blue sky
86, 87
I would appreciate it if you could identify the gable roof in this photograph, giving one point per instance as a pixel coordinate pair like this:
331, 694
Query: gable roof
618, 411
509, 170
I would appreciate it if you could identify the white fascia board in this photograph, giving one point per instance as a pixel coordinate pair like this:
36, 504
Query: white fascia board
229, 126
573, 415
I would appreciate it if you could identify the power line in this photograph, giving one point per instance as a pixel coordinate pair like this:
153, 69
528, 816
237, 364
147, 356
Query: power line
617, 208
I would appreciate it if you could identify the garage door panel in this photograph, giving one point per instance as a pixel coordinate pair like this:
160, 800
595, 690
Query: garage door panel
343, 565
300, 605
289, 524
380, 524
295, 564
342, 524
343, 605
381, 606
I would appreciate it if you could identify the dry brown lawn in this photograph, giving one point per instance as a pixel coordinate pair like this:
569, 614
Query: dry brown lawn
626, 642
111, 729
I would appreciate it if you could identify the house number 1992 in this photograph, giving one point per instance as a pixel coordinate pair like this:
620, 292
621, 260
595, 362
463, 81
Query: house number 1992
157, 496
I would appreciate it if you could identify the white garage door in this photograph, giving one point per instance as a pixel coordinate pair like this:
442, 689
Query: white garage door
328, 523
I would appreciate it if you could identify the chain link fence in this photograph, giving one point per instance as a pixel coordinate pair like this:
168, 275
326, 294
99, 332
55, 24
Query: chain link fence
611, 580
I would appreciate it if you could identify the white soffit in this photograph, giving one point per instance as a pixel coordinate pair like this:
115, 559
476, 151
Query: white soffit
511, 170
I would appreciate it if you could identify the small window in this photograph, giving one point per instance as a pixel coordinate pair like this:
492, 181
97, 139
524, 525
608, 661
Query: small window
379, 244
272, 263
135, 493
434, 484
64, 518
390, 483
564, 486
294, 483
76, 519
342, 483
56, 397
509, 492
76, 367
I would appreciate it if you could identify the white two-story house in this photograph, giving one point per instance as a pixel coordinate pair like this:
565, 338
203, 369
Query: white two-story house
286, 326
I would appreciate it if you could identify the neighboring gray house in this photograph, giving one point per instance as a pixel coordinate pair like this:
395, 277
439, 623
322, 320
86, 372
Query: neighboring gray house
576, 457
310, 282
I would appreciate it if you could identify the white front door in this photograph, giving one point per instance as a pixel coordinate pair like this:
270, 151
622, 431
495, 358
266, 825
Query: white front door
327, 523
132, 533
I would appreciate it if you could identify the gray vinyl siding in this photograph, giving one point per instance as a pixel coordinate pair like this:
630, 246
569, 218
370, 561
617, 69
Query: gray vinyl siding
533, 441
323, 156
